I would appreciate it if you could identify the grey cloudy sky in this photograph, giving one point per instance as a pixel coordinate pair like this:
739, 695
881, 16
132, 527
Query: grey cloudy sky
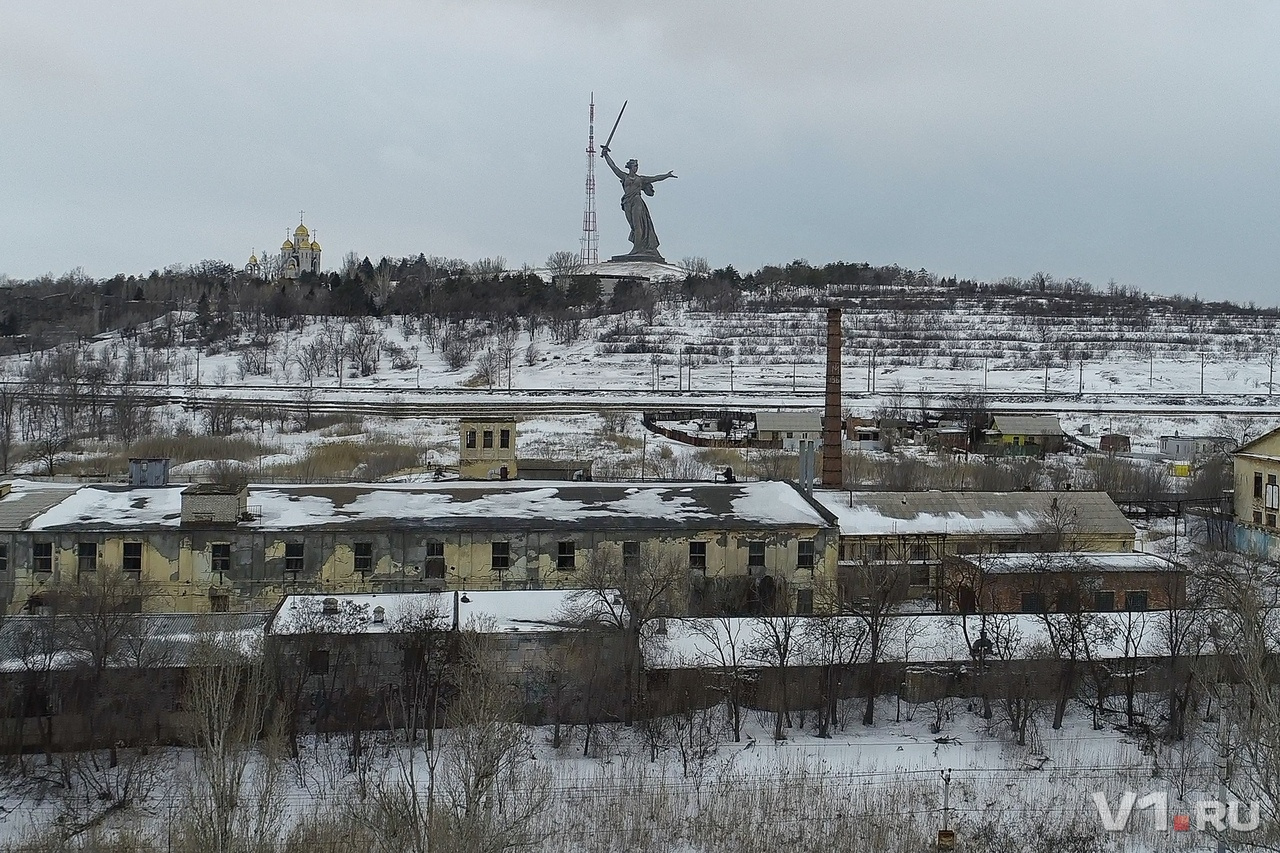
1134, 140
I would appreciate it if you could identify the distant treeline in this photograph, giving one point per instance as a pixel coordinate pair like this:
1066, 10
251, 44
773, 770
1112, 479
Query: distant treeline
38, 313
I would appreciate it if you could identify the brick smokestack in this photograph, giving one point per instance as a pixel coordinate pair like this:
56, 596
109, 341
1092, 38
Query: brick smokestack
832, 423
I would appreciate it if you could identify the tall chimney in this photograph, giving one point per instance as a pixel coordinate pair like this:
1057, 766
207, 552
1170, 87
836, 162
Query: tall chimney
832, 424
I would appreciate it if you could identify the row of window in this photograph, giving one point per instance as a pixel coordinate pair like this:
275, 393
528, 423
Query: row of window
878, 552
1069, 602
434, 564
1268, 493
486, 437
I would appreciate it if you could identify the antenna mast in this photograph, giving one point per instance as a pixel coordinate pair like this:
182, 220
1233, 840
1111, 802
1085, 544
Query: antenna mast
590, 235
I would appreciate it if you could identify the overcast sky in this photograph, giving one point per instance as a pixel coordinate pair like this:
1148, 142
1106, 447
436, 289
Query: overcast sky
1134, 141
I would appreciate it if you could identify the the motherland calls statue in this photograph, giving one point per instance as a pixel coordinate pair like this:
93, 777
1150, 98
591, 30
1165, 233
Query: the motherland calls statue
644, 240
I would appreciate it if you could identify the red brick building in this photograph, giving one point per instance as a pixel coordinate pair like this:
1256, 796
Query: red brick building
1065, 582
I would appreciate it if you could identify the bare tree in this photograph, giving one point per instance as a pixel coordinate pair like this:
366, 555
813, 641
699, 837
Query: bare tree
627, 591
725, 639
837, 643
310, 652
695, 265
430, 653
564, 263
775, 642
364, 346
234, 797
874, 592
9, 412
115, 656
482, 790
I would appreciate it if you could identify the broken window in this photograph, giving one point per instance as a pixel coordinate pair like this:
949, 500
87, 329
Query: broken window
1135, 599
565, 556
220, 553
755, 555
42, 556
500, 553
804, 602
433, 565
698, 556
87, 556
318, 661
363, 552
630, 555
293, 558
805, 554
133, 557
920, 574
1104, 600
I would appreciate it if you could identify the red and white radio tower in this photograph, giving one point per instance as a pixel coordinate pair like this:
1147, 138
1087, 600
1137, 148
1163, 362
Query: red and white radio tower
590, 235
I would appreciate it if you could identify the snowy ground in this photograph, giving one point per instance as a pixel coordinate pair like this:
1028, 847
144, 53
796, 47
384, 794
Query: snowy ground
996, 788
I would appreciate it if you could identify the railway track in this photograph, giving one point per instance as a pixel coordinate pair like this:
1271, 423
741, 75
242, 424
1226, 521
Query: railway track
531, 402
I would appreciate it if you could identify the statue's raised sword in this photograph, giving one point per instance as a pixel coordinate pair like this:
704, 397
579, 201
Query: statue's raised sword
605, 147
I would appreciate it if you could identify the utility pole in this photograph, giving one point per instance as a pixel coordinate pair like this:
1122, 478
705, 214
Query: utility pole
731, 377
1271, 371
1151, 371
1082, 377
1046, 379
1222, 762
984, 374
946, 799
1201, 374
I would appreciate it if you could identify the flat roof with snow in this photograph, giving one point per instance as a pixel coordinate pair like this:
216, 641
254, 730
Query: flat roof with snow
1080, 561
971, 513
746, 642
492, 612
455, 506
788, 421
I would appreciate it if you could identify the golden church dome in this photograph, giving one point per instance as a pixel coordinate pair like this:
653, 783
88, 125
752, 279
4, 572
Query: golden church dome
286, 246
253, 259
315, 246
300, 231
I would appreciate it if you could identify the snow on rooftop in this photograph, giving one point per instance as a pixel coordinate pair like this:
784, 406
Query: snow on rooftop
497, 612
924, 638
1121, 561
879, 513
455, 504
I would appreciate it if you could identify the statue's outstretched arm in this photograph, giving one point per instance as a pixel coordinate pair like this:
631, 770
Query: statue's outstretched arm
660, 177
604, 152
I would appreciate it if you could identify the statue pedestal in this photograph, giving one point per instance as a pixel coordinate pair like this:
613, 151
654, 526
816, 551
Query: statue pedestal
627, 266
647, 257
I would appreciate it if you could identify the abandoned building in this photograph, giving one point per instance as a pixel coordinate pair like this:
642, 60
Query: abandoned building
367, 644
917, 530
1257, 496
202, 548
487, 448
1064, 582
